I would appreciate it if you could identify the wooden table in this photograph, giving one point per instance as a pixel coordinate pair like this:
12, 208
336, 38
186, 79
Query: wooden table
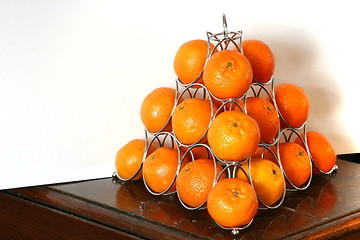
101, 209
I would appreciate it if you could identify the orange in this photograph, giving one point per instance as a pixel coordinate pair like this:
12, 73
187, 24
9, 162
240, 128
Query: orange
295, 162
129, 158
156, 109
233, 136
227, 74
190, 120
265, 115
159, 169
195, 180
261, 59
232, 203
322, 152
267, 178
293, 104
190, 60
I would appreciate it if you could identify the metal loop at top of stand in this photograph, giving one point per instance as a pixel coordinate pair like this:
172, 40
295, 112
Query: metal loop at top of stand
226, 37
225, 26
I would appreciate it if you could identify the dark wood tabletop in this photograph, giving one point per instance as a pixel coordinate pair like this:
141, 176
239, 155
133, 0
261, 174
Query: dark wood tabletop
102, 209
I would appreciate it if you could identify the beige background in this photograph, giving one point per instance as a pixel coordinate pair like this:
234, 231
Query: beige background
73, 73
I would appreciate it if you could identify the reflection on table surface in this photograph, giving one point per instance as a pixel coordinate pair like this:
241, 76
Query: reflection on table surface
328, 197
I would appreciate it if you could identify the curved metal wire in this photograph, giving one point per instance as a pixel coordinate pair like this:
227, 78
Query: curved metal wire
162, 143
222, 41
215, 180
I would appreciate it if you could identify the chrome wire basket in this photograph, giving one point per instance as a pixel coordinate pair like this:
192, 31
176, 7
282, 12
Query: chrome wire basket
222, 41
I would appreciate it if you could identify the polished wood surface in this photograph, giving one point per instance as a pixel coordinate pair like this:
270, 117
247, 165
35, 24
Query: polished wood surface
330, 207
21, 219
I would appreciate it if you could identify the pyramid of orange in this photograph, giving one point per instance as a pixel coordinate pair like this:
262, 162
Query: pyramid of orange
224, 128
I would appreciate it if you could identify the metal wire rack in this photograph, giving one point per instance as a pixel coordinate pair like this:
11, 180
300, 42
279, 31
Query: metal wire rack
222, 41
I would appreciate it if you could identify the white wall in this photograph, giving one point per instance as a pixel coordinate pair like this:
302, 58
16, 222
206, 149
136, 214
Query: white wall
73, 74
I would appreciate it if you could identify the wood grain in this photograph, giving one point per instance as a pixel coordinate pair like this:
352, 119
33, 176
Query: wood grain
329, 208
21, 219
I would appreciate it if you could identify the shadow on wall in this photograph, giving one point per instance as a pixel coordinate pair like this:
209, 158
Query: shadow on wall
302, 61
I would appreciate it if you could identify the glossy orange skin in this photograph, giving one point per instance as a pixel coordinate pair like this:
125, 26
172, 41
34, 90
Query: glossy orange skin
261, 58
322, 152
233, 136
129, 158
232, 202
159, 169
227, 74
190, 60
293, 104
265, 114
195, 180
190, 120
156, 109
295, 162
267, 178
